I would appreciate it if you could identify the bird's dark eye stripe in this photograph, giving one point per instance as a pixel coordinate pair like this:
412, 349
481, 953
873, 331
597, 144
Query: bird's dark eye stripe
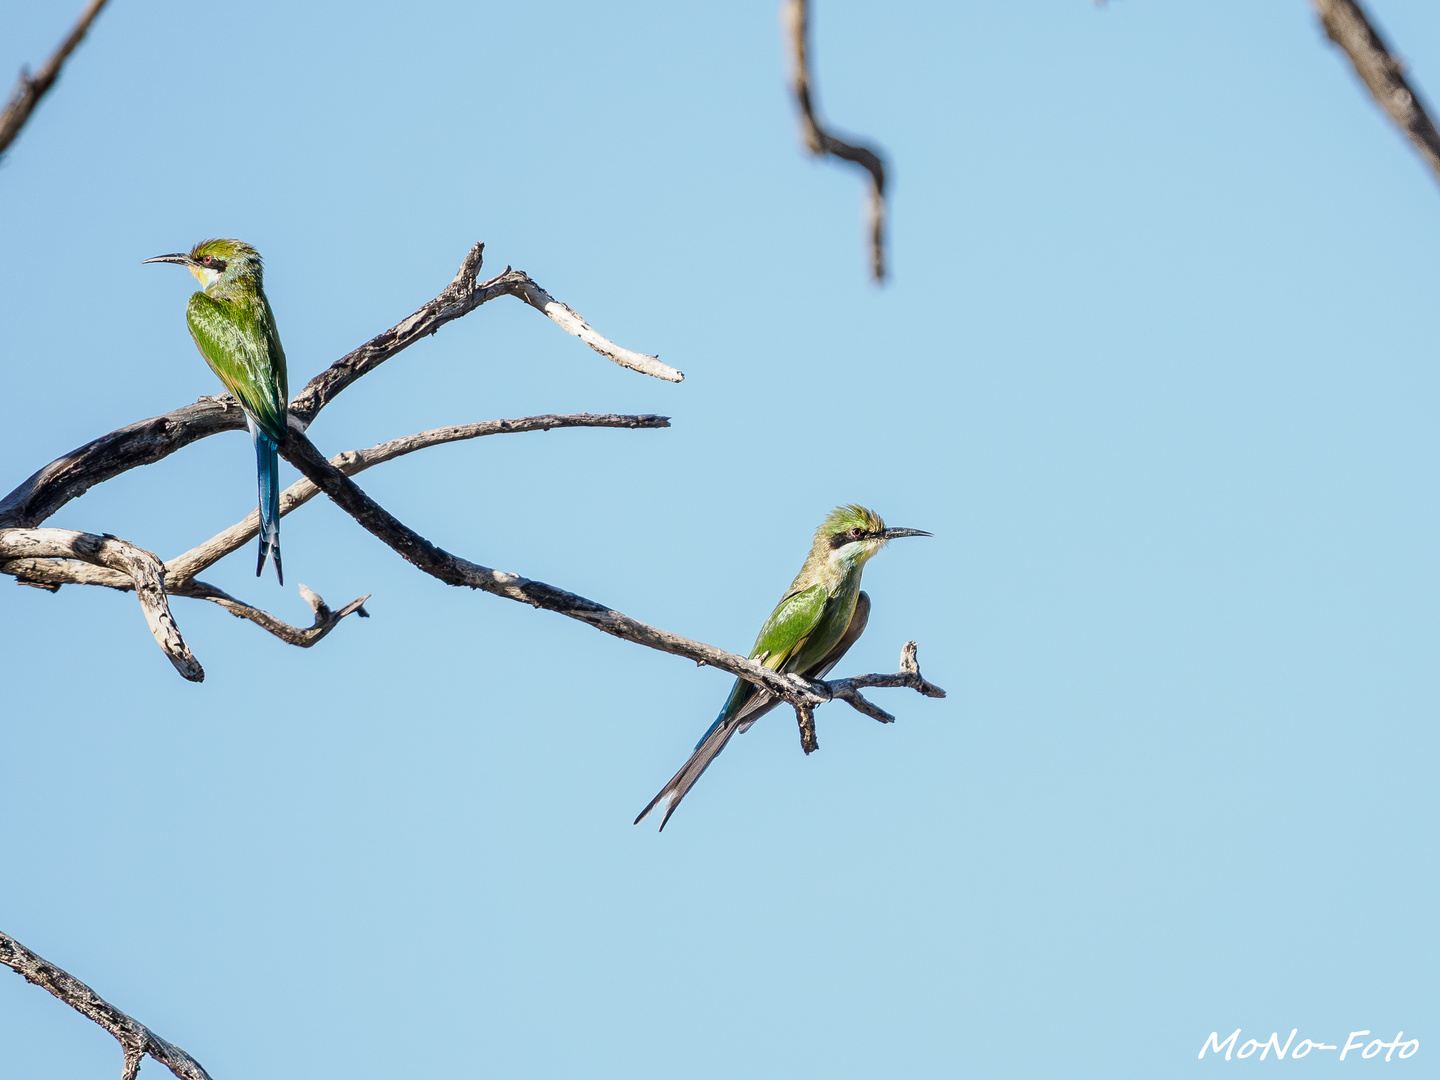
209, 262
840, 539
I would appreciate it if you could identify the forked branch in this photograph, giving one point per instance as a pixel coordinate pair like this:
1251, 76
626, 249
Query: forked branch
795, 14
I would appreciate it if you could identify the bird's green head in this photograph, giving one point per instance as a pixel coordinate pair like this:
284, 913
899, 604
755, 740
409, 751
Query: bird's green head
852, 535
213, 261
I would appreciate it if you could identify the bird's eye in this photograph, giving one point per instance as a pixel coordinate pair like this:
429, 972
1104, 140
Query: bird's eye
856, 533
207, 259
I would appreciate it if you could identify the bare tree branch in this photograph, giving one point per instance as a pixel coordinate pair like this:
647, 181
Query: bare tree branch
459, 298
142, 443
145, 571
51, 573
149, 441
325, 619
795, 15
136, 1040
848, 690
29, 89
1350, 28
453, 570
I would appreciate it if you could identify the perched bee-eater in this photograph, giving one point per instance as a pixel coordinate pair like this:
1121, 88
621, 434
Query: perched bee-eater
820, 616
234, 329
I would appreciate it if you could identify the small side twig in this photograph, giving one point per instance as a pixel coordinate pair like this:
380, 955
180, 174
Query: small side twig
805, 717
29, 89
135, 1039
848, 690
303, 637
1348, 26
795, 14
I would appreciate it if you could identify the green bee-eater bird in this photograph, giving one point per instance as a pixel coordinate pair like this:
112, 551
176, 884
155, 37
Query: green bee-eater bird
234, 329
820, 616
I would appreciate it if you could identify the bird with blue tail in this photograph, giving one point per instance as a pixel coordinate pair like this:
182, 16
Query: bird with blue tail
820, 616
234, 329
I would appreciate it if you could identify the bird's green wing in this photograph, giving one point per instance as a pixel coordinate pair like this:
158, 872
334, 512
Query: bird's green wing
761, 703
241, 346
790, 624
785, 631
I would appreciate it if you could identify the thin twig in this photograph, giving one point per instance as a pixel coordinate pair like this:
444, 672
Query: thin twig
197, 559
1350, 28
848, 690
136, 1040
29, 89
795, 14
145, 571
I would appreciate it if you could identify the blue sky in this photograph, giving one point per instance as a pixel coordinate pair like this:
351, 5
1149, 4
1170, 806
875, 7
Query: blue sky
1156, 366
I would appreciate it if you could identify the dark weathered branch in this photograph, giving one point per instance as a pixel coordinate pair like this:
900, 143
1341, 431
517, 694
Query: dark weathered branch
1350, 28
141, 443
29, 89
325, 619
136, 1040
795, 14
149, 441
453, 570
145, 571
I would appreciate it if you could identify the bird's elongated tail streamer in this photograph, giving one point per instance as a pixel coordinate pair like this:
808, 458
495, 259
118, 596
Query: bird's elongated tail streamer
267, 468
708, 750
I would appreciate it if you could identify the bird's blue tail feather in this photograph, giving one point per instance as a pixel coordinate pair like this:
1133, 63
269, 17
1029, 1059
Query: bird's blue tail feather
267, 465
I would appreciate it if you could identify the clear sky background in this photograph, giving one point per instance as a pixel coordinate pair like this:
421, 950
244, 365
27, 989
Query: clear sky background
1157, 366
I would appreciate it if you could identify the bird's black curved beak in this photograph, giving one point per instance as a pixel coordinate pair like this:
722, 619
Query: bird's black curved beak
895, 534
180, 257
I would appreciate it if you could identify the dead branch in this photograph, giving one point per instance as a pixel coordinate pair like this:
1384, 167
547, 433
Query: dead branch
848, 690
454, 570
1348, 26
29, 89
795, 15
145, 571
135, 1039
459, 298
194, 561
325, 619
149, 441
51, 573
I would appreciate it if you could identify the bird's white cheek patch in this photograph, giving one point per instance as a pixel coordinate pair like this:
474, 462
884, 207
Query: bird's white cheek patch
205, 277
